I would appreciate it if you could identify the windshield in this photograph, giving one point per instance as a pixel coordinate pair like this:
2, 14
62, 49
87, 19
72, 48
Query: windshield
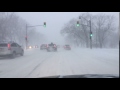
58, 43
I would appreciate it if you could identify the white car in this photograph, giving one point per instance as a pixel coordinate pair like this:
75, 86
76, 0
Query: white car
10, 49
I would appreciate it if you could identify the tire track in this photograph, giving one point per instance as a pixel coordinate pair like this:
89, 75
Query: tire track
38, 66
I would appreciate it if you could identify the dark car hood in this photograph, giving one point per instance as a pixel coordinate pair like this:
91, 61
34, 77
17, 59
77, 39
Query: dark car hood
85, 76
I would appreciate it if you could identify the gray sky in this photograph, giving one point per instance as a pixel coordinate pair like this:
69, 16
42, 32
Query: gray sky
55, 21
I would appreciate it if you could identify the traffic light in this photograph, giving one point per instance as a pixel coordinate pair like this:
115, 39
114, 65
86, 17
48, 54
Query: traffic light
44, 24
91, 34
78, 24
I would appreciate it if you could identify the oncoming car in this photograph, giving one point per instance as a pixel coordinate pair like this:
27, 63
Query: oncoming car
29, 47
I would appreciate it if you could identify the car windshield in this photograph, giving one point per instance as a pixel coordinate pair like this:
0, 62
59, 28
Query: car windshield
42, 44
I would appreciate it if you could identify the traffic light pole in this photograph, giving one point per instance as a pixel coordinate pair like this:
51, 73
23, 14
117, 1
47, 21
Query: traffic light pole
90, 36
119, 29
26, 37
90, 30
26, 33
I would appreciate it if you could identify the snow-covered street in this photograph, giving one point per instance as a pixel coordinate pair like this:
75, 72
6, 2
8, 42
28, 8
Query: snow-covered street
40, 63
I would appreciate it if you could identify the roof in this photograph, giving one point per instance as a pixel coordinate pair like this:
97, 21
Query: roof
6, 41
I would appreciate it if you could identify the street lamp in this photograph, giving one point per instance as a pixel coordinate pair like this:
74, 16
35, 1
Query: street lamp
80, 17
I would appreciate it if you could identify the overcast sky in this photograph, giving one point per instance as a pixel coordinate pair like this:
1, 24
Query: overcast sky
55, 21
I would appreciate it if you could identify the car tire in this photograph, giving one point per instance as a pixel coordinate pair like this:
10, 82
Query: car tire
12, 56
22, 53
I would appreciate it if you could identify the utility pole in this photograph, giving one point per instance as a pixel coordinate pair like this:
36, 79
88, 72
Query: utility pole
119, 28
26, 37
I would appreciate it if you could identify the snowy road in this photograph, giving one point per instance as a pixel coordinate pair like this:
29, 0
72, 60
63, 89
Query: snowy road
36, 63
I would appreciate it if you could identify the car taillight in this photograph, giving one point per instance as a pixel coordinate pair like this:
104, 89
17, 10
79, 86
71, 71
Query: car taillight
54, 45
9, 46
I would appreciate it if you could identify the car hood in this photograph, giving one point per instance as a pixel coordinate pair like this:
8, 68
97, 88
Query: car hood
85, 76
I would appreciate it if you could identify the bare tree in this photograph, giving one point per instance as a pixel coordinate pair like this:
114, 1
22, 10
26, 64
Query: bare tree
102, 27
13, 28
80, 34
